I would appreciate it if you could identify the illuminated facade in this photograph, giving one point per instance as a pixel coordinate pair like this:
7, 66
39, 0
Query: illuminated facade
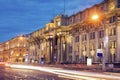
96, 30
80, 36
14, 50
48, 44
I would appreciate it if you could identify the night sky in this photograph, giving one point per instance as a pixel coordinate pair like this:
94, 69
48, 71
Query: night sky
25, 16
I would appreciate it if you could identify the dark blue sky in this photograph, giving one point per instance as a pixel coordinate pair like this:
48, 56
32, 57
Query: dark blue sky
25, 16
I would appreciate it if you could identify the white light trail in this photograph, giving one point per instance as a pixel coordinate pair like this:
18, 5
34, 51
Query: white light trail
68, 73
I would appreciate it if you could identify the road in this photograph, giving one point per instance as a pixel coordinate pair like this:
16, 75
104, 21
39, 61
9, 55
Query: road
24, 72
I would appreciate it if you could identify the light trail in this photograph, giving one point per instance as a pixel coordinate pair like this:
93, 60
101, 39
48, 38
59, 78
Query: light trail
68, 73
47, 69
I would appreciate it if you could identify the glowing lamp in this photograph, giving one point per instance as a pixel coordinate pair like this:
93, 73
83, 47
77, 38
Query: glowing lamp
95, 17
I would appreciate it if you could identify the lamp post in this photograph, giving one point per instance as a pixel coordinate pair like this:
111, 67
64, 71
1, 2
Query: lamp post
96, 17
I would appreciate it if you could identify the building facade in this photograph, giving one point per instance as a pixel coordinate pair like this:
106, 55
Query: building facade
14, 50
83, 35
94, 36
45, 44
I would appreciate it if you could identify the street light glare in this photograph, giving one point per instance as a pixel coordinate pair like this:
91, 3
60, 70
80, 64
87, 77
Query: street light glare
95, 17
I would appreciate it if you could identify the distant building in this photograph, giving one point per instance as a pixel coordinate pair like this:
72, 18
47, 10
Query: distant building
14, 50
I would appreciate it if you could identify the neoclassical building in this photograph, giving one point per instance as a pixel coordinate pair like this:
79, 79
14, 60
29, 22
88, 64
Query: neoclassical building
14, 50
92, 33
48, 44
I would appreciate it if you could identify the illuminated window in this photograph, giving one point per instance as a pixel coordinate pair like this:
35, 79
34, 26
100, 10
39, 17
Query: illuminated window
58, 23
92, 46
113, 44
77, 48
112, 32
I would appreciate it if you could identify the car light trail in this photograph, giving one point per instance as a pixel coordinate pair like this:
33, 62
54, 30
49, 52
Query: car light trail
67, 73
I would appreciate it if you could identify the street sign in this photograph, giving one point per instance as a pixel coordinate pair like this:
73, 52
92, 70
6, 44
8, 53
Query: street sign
100, 53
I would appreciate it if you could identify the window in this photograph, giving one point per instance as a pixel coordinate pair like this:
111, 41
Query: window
113, 44
58, 23
76, 30
101, 34
76, 48
84, 27
77, 39
77, 58
112, 32
118, 3
92, 46
112, 19
84, 37
92, 35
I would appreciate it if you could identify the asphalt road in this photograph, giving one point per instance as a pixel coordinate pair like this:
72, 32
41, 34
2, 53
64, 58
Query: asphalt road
22, 74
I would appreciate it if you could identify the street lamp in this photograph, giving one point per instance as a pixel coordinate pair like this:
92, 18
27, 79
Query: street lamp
96, 17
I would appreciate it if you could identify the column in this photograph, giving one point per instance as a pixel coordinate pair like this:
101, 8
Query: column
118, 40
58, 52
61, 49
73, 45
50, 50
80, 46
41, 42
88, 50
67, 47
